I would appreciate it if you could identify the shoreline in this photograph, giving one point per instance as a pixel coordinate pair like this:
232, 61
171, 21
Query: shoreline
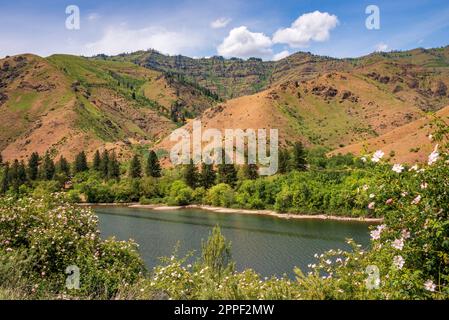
269, 213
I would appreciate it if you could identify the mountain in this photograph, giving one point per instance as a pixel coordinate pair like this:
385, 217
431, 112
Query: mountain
334, 103
132, 101
419, 70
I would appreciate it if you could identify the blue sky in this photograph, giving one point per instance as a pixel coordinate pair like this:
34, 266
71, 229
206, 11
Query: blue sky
231, 28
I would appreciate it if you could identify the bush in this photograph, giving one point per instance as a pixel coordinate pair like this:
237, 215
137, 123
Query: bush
180, 194
220, 195
46, 235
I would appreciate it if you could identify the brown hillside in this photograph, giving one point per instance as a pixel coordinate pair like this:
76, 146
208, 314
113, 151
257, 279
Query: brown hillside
409, 143
332, 110
65, 104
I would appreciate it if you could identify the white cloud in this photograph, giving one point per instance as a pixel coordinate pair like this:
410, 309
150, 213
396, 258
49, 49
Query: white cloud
313, 26
243, 43
381, 47
120, 39
281, 55
220, 23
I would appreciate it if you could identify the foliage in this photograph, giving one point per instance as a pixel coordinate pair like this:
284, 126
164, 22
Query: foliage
80, 163
41, 237
221, 195
153, 168
135, 167
207, 176
191, 175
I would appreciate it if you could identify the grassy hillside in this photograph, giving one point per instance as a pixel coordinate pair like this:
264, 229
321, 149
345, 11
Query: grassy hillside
419, 71
66, 104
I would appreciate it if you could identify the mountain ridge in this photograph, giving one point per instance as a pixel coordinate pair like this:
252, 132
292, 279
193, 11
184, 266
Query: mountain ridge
66, 103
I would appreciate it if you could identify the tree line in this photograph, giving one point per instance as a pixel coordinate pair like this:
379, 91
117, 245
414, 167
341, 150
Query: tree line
107, 164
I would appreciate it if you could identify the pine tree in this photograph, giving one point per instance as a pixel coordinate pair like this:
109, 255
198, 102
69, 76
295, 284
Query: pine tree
63, 167
113, 167
33, 166
21, 173
135, 167
153, 166
48, 167
191, 175
5, 182
208, 175
13, 172
299, 157
227, 173
104, 164
283, 160
97, 161
81, 162
250, 171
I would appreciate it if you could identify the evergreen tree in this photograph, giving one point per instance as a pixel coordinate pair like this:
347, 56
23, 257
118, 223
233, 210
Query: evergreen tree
48, 167
153, 165
12, 176
208, 175
135, 167
97, 161
104, 164
21, 173
299, 157
17, 174
81, 162
5, 182
227, 173
283, 161
33, 166
113, 167
1, 160
250, 171
63, 167
191, 175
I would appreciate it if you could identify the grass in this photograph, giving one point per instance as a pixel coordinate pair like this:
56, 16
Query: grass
22, 101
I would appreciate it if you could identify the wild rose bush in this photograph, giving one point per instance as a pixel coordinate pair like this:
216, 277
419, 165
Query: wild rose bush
410, 250
51, 235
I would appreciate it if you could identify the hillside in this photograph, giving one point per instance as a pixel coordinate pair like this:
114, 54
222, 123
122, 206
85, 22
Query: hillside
312, 100
406, 144
132, 101
231, 78
67, 104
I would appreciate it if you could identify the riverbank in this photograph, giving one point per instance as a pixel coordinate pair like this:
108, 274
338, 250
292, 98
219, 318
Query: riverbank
270, 213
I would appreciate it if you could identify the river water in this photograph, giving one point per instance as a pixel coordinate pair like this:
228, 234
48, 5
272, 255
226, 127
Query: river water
269, 245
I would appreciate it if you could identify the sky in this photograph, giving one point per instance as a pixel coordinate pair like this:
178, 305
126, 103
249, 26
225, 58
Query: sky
270, 30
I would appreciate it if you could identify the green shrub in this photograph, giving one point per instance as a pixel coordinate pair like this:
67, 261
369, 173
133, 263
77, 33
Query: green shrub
180, 194
46, 235
221, 195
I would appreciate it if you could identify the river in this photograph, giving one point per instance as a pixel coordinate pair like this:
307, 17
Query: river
269, 245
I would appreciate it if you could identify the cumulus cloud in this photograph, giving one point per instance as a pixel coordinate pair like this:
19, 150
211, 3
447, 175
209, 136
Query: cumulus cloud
281, 55
381, 47
220, 23
116, 40
243, 43
313, 26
